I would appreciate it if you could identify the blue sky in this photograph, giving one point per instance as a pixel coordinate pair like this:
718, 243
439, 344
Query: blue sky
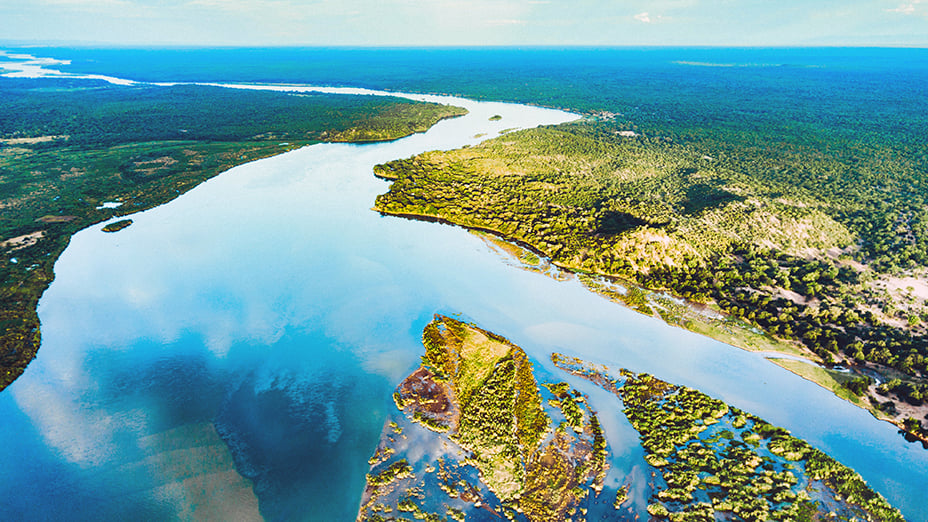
467, 22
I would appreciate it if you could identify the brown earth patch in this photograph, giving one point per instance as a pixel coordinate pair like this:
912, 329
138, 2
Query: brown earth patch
420, 395
31, 141
23, 241
56, 219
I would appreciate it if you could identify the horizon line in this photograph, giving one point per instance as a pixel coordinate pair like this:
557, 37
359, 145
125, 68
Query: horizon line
179, 46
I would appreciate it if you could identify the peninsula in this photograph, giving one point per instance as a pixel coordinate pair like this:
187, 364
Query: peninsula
781, 261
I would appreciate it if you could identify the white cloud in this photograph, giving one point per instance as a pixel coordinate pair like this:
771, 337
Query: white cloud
906, 8
451, 22
648, 18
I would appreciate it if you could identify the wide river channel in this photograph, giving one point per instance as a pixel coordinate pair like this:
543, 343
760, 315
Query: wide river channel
232, 354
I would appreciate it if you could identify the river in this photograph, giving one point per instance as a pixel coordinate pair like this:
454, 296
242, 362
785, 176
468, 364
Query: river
232, 354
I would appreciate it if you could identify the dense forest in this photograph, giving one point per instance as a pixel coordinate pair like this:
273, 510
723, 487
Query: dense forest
787, 258
69, 146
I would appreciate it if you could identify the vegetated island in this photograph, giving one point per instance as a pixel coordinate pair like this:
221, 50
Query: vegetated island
647, 221
475, 436
67, 147
494, 442
116, 226
716, 460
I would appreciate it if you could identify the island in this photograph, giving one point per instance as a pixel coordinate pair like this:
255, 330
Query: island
71, 147
498, 442
475, 435
716, 460
116, 226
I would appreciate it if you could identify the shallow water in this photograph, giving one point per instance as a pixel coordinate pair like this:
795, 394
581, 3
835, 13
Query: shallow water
236, 349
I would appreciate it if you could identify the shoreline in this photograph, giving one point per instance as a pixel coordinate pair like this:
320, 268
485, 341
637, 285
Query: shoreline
21, 342
863, 402
788, 350
808, 355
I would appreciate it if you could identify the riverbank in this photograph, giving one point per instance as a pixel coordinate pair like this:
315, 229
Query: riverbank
696, 317
895, 413
704, 319
614, 208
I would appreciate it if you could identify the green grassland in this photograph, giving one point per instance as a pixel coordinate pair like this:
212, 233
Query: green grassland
794, 252
66, 147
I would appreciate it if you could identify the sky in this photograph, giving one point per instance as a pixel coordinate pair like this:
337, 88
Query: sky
466, 22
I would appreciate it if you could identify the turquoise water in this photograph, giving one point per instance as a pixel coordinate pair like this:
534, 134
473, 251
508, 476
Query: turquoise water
233, 353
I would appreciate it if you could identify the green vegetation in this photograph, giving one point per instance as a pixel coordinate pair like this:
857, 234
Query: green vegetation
913, 393
502, 422
67, 146
714, 460
116, 226
395, 471
99, 114
477, 391
718, 461
844, 385
765, 245
567, 404
915, 430
620, 496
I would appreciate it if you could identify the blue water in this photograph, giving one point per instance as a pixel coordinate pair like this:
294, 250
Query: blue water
233, 353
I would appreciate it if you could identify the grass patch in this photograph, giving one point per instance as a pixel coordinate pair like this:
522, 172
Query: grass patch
828, 379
